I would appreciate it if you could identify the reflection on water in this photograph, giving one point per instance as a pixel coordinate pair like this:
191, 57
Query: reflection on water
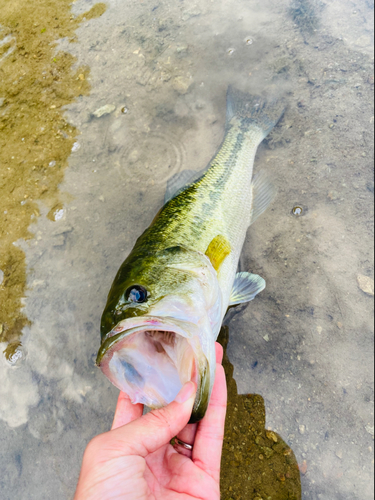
256, 462
158, 74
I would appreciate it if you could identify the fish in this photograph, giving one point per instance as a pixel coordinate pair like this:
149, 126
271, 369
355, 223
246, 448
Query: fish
168, 300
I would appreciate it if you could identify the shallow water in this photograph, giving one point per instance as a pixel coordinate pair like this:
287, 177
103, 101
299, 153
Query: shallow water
305, 344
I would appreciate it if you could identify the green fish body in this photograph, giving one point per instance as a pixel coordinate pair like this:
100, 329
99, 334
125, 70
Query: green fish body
168, 300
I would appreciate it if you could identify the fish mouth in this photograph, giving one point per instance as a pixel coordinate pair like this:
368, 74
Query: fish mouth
150, 360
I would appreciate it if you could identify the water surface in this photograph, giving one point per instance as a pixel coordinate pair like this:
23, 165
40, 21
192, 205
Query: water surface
158, 74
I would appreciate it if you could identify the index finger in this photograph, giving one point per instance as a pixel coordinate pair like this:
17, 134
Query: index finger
125, 412
210, 434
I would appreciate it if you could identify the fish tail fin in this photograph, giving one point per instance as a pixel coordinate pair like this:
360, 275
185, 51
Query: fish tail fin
254, 110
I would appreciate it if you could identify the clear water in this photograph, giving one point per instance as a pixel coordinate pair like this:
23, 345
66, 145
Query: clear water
306, 343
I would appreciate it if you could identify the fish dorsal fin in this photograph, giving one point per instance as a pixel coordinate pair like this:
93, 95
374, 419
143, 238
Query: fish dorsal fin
264, 192
179, 181
218, 250
245, 288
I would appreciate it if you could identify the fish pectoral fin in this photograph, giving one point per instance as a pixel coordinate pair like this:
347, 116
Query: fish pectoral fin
218, 250
264, 192
245, 288
179, 181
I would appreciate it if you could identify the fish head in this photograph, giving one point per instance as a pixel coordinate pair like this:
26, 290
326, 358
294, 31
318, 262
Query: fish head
160, 325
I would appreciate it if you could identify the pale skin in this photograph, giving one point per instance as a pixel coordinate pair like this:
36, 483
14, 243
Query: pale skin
135, 460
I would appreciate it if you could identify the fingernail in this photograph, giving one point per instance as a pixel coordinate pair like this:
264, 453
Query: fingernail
188, 390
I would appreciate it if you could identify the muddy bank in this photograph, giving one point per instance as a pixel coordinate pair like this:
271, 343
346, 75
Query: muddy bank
35, 139
257, 463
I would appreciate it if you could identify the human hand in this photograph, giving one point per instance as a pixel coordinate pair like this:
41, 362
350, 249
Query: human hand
135, 460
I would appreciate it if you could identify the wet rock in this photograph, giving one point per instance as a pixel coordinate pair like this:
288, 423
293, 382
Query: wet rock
104, 110
63, 230
333, 195
56, 213
182, 84
272, 436
366, 284
59, 241
364, 41
181, 48
188, 14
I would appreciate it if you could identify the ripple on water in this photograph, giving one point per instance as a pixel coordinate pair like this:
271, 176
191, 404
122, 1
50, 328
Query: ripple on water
154, 158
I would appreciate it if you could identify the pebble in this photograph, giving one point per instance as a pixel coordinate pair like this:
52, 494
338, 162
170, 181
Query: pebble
302, 429
333, 195
303, 468
370, 429
188, 14
181, 48
2, 100
18, 354
1, 277
104, 110
272, 436
266, 338
52, 164
76, 147
366, 284
181, 84
59, 214
339, 454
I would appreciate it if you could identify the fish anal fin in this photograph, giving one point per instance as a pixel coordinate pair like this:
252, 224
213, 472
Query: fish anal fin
245, 288
218, 250
264, 192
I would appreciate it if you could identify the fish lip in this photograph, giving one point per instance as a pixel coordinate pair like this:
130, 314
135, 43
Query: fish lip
132, 325
183, 328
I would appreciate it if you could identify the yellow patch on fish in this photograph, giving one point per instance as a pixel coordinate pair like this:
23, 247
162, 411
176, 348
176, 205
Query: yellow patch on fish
218, 250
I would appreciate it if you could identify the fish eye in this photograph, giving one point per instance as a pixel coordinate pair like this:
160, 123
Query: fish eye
136, 293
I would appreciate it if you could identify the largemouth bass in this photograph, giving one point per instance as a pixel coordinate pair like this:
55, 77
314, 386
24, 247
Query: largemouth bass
169, 298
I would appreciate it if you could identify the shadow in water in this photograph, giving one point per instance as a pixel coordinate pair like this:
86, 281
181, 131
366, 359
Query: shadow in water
256, 463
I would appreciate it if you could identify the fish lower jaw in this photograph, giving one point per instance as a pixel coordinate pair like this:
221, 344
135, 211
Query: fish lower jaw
151, 366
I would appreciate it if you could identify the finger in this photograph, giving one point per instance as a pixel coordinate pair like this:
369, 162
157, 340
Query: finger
152, 431
187, 435
125, 412
210, 434
187, 478
219, 353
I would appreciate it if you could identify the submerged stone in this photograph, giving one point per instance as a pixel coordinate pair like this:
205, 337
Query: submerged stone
366, 284
104, 110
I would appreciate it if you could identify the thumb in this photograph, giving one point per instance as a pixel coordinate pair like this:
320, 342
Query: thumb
154, 430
